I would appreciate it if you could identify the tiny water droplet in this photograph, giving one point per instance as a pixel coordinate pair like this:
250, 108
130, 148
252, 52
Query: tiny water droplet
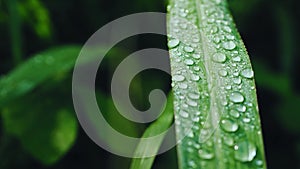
236, 59
234, 113
229, 45
247, 73
204, 154
178, 78
236, 97
184, 114
245, 151
228, 141
189, 62
173, 43
219, 57
196, 56
229, 125
223, 73
188, 49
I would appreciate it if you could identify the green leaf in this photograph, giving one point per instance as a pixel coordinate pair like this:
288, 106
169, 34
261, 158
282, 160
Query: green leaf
44, 122
157, 127
51, 63
215, 103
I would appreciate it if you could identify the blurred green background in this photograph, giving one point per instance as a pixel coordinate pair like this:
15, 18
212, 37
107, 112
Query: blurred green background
40, 41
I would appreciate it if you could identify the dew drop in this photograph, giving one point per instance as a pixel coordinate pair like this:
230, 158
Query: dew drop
204, 154
178, 78
196, 56
223, 73
188, 49
229, 45
173, 43
237, 80
228, 141
189, 62
229, 125
184, 114
247, 73
194, 95
192, 103
236, 59
245, 151
234, 113
195, 77
219, 57
236, 97
241, 108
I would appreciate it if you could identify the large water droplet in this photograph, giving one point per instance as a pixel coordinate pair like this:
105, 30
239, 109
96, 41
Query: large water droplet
229, 125
229, 45
245, 151
173, 43
219, 57
236, 97
247, 73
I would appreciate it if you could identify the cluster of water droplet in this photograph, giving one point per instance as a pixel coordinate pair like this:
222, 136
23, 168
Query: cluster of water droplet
213, 69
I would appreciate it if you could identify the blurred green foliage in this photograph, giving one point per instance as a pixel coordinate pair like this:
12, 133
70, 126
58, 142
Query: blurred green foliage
38, 123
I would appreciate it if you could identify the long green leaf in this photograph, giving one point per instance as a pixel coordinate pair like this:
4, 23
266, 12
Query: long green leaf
216, 111
159, 126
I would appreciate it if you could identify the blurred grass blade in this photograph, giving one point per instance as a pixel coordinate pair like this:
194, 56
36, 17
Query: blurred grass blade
36, 70
156, 128
216, 111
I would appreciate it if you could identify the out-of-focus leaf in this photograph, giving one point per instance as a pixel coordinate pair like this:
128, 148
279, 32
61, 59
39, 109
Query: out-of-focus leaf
51, 63
157, 127
37, 16
44, 122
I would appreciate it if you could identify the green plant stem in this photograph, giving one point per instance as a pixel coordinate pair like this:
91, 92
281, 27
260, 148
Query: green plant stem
15, 32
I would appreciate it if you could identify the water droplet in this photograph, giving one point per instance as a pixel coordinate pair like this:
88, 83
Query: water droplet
259, 162
192, 103
241, 108
223, 73
194, 95
219, 57
173, 43
234, 113
236, 59
178, 78
246, 120
247, 73
236, 97
229, 45
245, 151
237, 80
184, 114
195, 77
229, 125
196, 56
227, 29
189, 62
204, 154
183, 86
188, 49
228, 141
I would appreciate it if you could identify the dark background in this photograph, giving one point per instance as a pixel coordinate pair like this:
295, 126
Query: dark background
269, 29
